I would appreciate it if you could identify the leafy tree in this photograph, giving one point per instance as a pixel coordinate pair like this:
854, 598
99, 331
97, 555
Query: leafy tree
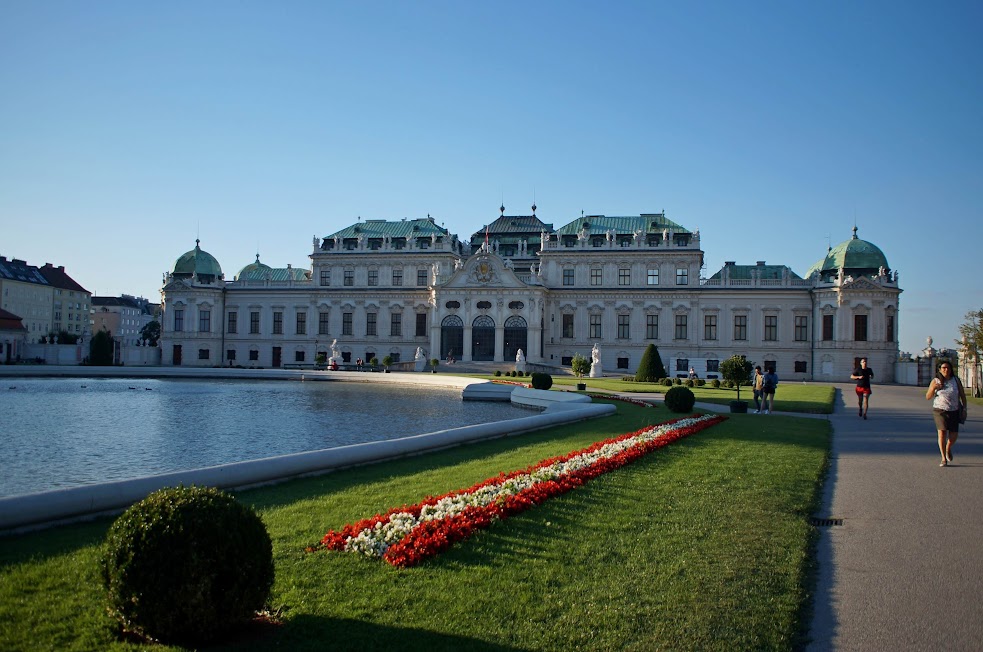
101, 349
64, 337
150, 332
387, 361
580, 365
650, 369
972, 332
736, 369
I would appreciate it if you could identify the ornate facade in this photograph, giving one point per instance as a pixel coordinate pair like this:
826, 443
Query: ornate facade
385, 288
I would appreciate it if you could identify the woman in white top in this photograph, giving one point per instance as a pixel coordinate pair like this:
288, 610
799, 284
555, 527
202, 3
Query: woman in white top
948, 395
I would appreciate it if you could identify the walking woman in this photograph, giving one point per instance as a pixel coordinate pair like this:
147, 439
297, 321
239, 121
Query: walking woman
947, 395
863, 375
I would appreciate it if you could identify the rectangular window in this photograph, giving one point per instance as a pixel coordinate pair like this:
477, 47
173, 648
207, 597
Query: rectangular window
623, 329
889, 334
682, 364
568, 275
421, 277
346, 323
396, 324
860, 328
800, 366
301, 323
322, 323
771, 328
254, 356
373, 277
709, 327
178, 321
681, 327
567, 325
230, 355
595, 275
349, 277
233, 322
595, 327
254, 323
622, 363
827, 328
653, 277
624, 276
370, 323
397, 277
298, 356
801, 328
325, 277
278, 323
713, 365
651, 327
740, 327
421, 324
682, 276
203, 354
205, 321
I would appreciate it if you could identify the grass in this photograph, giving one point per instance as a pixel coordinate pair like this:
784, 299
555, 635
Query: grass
704, 544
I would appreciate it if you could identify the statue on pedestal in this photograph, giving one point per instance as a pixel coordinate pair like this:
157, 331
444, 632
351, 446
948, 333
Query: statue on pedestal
595, 362
520, 361
419, 360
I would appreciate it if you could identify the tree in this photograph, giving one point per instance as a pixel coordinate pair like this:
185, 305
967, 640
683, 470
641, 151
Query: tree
972, 332
650, 369
736, 369
580, 365
64, 337
101, 349
150, 332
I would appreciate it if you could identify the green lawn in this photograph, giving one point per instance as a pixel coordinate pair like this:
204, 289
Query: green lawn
702, 545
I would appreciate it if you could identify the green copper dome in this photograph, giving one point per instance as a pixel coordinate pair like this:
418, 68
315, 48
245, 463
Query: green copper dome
855, 256
256, 270
198, 262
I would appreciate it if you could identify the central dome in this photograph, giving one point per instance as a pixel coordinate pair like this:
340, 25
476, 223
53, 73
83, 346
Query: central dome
197, 261
855, 256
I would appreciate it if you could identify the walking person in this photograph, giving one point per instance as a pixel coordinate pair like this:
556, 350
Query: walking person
948, 398
757, 385
863, 375
768, 390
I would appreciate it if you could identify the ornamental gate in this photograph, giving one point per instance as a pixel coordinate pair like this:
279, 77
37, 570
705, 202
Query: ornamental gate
516, 337
451, 337
483, 339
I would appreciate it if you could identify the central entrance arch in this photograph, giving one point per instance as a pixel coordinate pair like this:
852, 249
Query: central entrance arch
451, 337
516, 337
483, 338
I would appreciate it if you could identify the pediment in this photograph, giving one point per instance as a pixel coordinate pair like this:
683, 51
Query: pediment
484, 270
862, 283
177, 285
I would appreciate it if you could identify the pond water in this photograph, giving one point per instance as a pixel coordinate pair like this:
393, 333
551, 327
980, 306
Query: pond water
68, 432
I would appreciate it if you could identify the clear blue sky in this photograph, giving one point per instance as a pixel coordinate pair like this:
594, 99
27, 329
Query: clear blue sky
129, 129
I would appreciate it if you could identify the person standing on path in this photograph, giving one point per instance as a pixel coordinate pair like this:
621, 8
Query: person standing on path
863, 375
948, 396
768, 390
759, 382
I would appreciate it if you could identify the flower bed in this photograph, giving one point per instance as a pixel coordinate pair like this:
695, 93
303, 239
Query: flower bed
626, 399
407, 535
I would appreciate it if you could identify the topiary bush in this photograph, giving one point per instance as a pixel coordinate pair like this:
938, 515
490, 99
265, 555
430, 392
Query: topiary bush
680, 399
541, 380
498, 372
187, 565
715, 383
667, 382
690, 382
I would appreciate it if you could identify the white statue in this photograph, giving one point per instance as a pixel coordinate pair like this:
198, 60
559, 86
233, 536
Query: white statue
509, 264
520, 361
595, 362
420, 359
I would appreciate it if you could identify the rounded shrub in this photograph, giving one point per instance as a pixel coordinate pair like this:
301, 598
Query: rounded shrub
690, 382
680, 399
667, 382
715, 383
187, 564
677, 381
498, 372
541, 380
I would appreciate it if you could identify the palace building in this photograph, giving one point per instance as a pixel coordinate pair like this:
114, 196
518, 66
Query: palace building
386, 288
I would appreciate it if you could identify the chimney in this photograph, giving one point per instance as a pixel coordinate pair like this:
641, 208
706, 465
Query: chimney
761, 263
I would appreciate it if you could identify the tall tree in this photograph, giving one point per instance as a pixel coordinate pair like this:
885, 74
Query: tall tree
650, 367
150, 333
101, 349
972, 332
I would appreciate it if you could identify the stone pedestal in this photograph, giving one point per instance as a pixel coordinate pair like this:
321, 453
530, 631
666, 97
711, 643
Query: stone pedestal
595, 370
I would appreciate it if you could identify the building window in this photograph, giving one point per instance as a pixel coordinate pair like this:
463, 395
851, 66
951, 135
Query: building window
622, 363
325, 277
373, 277
713, 366
346, 323
349, 277
740, 327
595, 275
278, 323
301, 323
653, 277
800, 366
397, 277
651, 327
298, 356
421, 324
254, 356
682, 364
370, 323
624, 276
205, 321
178, 321
568, 275
567, 325
827, 328
230, 355
254, 323
203, 354
682, 276
860, 328
709, 327
771, 328
233, 322
421, 277
396, 324
801, 328
889, 334
681, 327
623, 328
595, 327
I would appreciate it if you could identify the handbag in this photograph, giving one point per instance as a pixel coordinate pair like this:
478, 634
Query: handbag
962, 413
